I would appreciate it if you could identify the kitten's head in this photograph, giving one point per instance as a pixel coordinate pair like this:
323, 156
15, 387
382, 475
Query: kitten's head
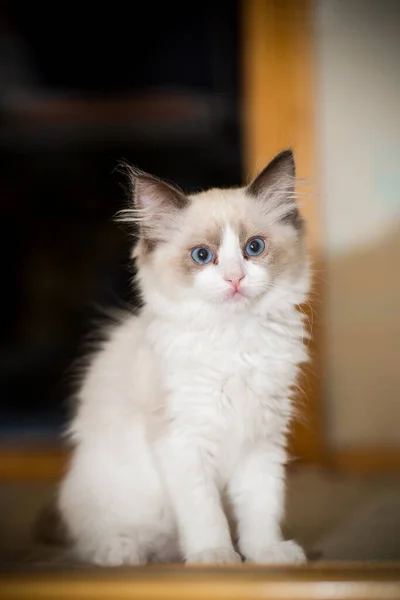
227, 248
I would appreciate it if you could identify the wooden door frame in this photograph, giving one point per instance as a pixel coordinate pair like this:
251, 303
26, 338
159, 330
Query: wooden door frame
279, 112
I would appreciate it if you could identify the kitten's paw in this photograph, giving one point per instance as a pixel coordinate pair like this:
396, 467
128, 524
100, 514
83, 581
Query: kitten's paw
283, 553
215, 556
116, 552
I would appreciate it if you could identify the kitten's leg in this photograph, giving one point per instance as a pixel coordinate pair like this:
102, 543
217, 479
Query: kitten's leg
92, 538
203, 528
257, 494
113, 513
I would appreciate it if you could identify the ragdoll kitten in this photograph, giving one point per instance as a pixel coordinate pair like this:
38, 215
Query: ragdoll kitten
179, 436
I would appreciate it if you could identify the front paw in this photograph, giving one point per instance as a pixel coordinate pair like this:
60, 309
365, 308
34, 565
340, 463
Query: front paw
214, 556
281, 553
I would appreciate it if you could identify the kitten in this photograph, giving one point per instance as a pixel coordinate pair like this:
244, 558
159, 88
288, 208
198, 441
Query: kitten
179, 437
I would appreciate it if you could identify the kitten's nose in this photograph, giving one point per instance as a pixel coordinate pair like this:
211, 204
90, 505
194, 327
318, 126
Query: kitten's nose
235, 281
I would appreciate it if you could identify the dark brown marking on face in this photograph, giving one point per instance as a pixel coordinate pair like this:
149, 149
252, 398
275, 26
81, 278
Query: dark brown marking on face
286, 257
148, 245
294, 218
211, 238
243, 233
248, 231
265, 257
276, 260
282, 256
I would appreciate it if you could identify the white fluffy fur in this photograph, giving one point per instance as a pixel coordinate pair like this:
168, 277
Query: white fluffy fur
179, 438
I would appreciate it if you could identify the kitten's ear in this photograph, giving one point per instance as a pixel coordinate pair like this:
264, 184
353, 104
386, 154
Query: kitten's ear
156, 204
155, 196
275, 186
279, 173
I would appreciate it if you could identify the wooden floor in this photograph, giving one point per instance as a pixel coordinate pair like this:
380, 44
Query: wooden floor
27, 574
355, 582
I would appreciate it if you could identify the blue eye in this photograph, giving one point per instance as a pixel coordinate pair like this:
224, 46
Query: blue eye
202, 255
254, 247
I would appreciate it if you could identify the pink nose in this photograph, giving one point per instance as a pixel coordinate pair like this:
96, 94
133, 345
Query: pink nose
234, 281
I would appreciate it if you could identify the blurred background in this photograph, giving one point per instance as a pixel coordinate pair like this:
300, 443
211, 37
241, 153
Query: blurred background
358, 102
205, 94
155, 85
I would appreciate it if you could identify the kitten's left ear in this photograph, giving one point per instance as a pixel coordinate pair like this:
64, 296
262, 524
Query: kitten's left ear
275, 186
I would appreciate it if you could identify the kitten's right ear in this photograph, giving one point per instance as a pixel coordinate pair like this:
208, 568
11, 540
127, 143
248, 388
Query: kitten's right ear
154, 195
156, 204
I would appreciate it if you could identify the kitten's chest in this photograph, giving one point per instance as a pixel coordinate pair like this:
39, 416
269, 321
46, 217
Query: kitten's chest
237, 373
227, 388
251, 354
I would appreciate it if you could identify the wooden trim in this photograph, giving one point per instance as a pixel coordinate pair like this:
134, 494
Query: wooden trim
32, 463
48, 464
279, 111
279, 92
180, 583
366, 460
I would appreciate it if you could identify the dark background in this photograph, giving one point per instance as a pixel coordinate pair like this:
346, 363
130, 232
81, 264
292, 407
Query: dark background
81, 87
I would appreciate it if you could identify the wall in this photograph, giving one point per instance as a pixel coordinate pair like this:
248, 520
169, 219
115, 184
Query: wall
358, 52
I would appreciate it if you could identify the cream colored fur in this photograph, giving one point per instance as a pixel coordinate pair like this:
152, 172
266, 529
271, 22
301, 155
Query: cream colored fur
180, 433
